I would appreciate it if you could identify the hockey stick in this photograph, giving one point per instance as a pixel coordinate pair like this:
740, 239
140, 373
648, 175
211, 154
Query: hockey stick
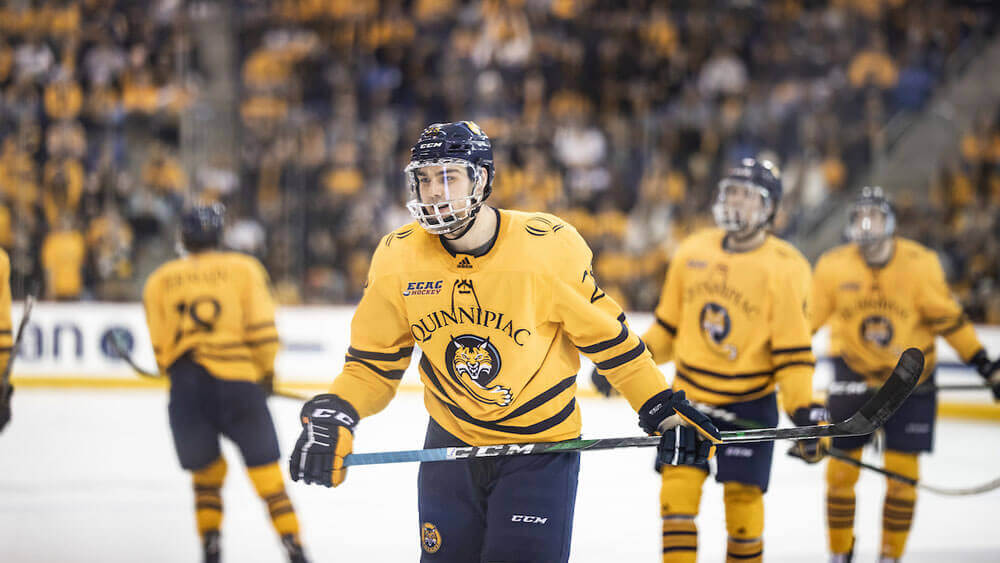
29, 304
860, 388
120, 349
986, 487
961, 387
869, 417
728, 416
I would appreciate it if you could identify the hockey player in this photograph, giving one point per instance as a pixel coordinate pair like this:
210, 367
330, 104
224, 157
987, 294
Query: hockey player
211, 320
500, 303
732, 317
882, 294
6, 337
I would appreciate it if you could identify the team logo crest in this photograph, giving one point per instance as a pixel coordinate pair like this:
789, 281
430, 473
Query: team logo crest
474, 363
430, 537
716, 326
876, 330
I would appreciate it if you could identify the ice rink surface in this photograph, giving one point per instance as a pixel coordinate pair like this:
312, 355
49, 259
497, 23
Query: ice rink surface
91, 476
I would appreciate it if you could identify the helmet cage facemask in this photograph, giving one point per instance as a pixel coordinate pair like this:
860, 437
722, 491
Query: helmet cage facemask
860, 228
451, 214
737, 221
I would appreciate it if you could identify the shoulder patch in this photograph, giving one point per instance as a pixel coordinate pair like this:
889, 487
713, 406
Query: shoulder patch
400, 234
540, 226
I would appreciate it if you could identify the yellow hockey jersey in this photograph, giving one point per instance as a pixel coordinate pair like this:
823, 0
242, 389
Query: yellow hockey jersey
6, 326
217, 306
876, 313
736, 324
499, 334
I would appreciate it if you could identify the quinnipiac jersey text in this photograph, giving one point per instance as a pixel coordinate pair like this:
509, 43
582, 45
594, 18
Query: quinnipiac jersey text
217, 306
500, 334
876, 313
735, 323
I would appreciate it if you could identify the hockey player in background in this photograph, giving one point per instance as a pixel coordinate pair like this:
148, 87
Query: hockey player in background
732, 317
501, 303
6, 337
211, 320
882, 294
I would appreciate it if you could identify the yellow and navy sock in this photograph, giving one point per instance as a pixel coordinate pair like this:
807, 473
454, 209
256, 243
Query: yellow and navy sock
680, 538
207, 483
270, 487
744, 522
900, 501
680, 497
840, 502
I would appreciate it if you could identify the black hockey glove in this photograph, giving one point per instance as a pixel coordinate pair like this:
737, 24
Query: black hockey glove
602, 384
327, 437
5, 407
267, 383
813, 449
688, 436
990, 371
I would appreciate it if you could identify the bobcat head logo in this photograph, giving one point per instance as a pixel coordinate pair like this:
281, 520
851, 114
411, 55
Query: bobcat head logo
473, 363
876, 330
430, 537
716, 326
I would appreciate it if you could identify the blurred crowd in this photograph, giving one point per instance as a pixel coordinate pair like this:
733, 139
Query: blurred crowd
618, 116
90, 99
961, 219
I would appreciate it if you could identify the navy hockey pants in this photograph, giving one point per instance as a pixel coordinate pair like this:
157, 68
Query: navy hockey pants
749, 464
501, 510
202, 407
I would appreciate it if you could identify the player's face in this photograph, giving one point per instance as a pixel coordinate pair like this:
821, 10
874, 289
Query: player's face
741, 207
446, 194
442, 183
868, 223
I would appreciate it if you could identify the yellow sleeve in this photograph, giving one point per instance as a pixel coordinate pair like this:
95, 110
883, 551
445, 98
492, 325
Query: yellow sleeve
791, 338
940, 310
660, 336
155, 320
381, 345
260, 332
821, 297
596, 325
6, 325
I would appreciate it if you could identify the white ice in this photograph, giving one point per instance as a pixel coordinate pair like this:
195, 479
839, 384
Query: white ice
91, 476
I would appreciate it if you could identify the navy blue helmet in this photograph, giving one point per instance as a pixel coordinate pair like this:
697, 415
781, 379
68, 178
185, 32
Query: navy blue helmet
759, 176
201, 226
461, 143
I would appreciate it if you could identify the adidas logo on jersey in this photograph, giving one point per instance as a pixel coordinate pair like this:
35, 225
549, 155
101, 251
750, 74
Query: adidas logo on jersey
465, 263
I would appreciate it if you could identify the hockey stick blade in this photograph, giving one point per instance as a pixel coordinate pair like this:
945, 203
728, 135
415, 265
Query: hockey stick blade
121, 350
870, 417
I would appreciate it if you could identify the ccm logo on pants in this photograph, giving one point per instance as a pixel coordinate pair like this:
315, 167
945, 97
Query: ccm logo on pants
528, 519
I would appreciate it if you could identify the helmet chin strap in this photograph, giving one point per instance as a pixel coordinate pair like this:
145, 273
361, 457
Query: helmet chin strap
474, 216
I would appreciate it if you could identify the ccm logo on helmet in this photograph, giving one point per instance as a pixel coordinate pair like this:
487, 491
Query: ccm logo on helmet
527, 519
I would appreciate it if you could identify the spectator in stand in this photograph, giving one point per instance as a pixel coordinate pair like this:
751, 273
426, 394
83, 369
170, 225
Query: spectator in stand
63, 255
